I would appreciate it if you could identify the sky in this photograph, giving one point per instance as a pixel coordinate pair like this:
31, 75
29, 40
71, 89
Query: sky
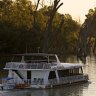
77, 8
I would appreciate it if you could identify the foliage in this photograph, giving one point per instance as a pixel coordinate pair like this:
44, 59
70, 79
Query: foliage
18, 33
87, 36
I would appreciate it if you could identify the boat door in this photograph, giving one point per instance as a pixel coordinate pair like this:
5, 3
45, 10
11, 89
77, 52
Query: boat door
28, 77
52, 77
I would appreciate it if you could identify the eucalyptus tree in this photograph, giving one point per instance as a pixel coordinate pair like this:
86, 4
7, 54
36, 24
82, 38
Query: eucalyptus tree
65, 35
87, 36
48, 29
25, 26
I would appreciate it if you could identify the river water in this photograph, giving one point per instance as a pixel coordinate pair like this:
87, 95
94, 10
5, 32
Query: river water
80, 89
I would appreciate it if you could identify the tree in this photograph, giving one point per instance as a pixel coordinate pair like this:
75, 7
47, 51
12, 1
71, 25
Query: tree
52, 32
87, 35
48, 29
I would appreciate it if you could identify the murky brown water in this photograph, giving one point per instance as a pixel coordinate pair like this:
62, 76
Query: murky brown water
81, 89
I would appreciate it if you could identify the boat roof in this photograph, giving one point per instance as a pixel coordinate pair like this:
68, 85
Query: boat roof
34, 54
71, 65
66, 66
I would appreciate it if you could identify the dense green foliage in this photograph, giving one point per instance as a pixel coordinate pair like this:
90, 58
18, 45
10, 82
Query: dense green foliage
19, 33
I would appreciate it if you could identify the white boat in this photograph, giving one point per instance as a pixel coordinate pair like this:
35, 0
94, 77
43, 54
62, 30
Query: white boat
40, 70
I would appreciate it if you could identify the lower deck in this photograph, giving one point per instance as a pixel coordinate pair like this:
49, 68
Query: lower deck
51, 83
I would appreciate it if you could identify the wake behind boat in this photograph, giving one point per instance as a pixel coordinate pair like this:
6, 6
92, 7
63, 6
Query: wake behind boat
40, 70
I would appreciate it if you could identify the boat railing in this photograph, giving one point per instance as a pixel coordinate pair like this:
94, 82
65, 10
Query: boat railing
86, 76
38, 61
21, 65
35, 81
70, 79
52, 81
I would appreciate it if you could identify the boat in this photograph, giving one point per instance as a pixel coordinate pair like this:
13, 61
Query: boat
41, 70
5, 85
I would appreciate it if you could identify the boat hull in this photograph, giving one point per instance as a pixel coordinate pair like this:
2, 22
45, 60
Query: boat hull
7, 86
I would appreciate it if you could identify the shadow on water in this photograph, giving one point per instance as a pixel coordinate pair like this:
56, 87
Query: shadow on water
66, 90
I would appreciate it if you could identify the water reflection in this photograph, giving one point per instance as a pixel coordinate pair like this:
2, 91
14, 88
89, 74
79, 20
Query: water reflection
81, 89
66, 90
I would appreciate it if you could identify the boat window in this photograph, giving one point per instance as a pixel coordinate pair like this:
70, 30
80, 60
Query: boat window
63, 73
70, 72
28, 74
80, 70
76, 71
52, 75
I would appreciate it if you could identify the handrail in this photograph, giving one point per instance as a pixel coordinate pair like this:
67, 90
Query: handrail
69, 79
36, 81
21, 65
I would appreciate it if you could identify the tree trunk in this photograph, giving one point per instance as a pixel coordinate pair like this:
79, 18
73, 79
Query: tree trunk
48, 29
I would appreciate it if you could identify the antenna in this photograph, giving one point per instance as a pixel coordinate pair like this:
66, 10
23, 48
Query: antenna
26, 48
38, 49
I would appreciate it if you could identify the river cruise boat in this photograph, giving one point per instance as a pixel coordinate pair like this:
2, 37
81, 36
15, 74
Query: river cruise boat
40, 70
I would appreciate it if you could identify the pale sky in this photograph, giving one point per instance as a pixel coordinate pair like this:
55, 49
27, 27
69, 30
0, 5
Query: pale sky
77, 8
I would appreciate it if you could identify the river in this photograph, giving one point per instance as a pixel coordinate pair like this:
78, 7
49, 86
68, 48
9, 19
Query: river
77, 89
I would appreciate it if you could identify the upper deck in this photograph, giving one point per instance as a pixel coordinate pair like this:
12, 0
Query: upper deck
32, 61
38, 61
